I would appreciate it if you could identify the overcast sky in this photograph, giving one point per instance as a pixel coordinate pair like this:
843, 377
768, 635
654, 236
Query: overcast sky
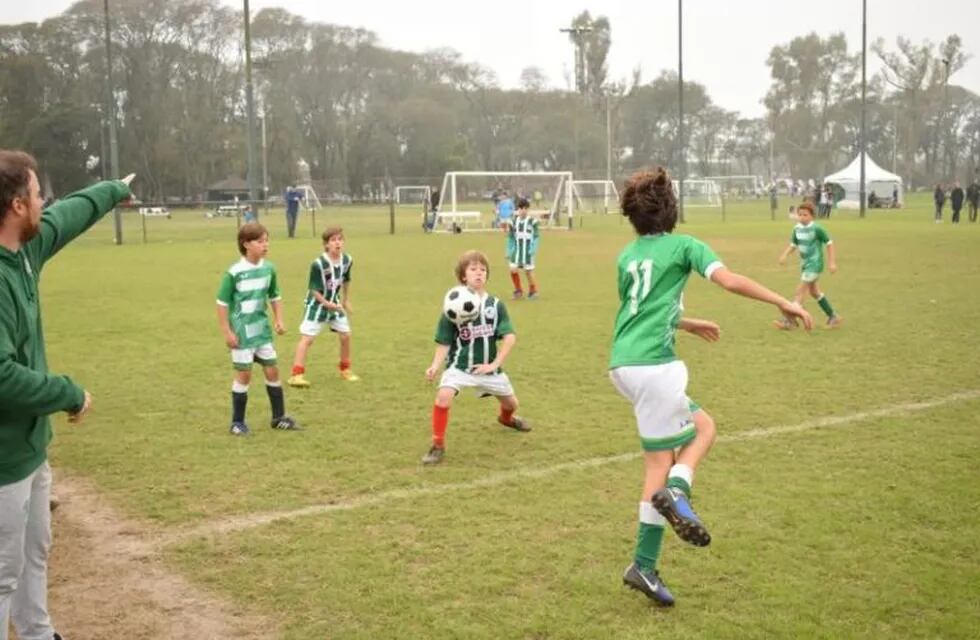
726, 42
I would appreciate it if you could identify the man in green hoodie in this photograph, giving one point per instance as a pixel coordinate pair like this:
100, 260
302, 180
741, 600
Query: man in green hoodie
29, 237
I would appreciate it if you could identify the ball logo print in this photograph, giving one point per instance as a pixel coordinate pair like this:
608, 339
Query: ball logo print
461, 305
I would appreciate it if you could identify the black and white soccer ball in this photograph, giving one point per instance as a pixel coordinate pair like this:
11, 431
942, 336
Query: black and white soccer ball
461, 305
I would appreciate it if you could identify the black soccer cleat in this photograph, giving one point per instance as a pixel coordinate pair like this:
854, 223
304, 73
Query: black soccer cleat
284, 423
649, 583
516, 423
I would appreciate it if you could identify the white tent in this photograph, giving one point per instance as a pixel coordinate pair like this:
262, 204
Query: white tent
876, 179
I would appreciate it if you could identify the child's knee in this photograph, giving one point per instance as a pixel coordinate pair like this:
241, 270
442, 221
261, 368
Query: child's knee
444, 397
243, 377
271, 373
509, 402
704, 426
344, 337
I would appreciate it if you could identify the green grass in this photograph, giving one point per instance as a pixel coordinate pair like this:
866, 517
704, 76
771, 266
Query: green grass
868, 529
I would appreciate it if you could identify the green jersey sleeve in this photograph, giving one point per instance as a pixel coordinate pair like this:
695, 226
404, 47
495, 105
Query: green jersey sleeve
792, 237
822, 235
316, 277
273, 290
701, 258
504, 325
445, 331
226, 289
350, 265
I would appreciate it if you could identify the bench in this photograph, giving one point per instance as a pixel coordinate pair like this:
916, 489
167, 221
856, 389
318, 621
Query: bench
227, 211
154, 211
462, 218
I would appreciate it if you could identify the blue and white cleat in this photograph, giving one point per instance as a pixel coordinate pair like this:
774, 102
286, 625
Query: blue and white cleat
648, 582
673, 505
239, 429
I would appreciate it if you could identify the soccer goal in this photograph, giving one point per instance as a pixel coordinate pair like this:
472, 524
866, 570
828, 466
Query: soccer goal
311, 202
468, 199
595, 196
740, 187
413, 194
699, 193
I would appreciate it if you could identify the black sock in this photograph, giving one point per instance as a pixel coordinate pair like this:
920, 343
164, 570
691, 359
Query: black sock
277, 400
238, 402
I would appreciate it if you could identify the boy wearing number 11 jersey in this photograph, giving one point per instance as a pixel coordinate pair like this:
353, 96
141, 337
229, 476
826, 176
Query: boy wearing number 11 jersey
674, 432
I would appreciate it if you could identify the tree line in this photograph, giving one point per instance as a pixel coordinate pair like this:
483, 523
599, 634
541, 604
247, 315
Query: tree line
358, 112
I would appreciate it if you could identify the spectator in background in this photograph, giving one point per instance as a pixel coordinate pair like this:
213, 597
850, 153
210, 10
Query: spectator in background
430, 218
973, 198
873, 200
956, 201
505, 210
773, 198
895, 197
939, 197
293, 197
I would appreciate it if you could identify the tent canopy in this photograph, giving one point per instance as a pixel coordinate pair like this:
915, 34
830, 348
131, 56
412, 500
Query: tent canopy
876, 179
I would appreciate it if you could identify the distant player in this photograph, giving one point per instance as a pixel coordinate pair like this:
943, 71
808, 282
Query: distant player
810, 238
327, 304
522, 245
675, 434
247, 287
472, 357
505, 210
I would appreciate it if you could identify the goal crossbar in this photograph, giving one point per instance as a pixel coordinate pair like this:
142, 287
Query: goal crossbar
447, 208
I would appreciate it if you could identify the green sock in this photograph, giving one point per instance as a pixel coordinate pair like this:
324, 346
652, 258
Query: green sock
649, 537
825, 305
675, 482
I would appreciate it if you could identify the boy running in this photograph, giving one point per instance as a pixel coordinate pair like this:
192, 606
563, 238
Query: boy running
522, 244
327, 303
472, 357
810, 238
246, 288
675, 433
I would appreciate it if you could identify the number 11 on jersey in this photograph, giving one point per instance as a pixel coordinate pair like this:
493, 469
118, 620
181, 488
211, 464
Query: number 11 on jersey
640, 271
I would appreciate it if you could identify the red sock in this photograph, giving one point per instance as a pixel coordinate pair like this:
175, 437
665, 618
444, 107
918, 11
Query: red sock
506, 415
298, 369
516, 279
440, 419
344, 365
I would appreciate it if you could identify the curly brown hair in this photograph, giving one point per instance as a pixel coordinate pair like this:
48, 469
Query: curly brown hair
806, 205
649, 202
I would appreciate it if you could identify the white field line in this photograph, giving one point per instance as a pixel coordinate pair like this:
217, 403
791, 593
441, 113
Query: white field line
249, 521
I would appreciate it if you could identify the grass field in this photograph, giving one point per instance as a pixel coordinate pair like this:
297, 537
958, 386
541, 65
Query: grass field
868, 528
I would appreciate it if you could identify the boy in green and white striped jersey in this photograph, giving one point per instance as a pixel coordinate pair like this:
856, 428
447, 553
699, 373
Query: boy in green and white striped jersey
327, 303
522, 244
472, 357
247, 287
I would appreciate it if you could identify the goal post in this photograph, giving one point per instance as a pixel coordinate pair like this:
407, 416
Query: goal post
467, 198
413, 194
595, 195
699, 193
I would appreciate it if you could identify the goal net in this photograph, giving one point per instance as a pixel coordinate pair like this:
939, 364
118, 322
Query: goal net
740, 187
699, 193
413, 194
468, 199
595, 196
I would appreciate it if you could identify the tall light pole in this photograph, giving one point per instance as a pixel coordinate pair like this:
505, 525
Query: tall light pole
680, 107
250, 108
946, 62
113, 171
864, 93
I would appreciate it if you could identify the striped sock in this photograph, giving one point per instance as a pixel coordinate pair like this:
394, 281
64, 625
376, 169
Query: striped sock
649, 537
681, 477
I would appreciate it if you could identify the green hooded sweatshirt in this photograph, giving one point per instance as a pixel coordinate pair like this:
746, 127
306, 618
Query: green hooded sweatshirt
28, 394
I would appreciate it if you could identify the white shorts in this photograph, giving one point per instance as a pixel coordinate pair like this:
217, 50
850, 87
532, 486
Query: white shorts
265, 355
658, 394
526, 267
494, 384
313, 328
809, 276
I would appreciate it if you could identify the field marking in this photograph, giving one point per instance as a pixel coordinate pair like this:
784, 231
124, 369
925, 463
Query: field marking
238, 523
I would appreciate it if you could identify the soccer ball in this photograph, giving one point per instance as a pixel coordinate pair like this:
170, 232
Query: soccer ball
461, 305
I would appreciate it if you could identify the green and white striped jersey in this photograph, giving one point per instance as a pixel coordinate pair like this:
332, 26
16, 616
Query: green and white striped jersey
475, 342
327, 277
246, 289
523, 243
653, 271
809, 239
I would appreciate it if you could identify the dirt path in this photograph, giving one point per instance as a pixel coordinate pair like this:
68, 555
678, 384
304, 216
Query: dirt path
108, 581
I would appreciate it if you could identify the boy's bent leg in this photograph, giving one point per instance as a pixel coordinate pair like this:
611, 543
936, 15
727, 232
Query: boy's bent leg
641, 575
440, 420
